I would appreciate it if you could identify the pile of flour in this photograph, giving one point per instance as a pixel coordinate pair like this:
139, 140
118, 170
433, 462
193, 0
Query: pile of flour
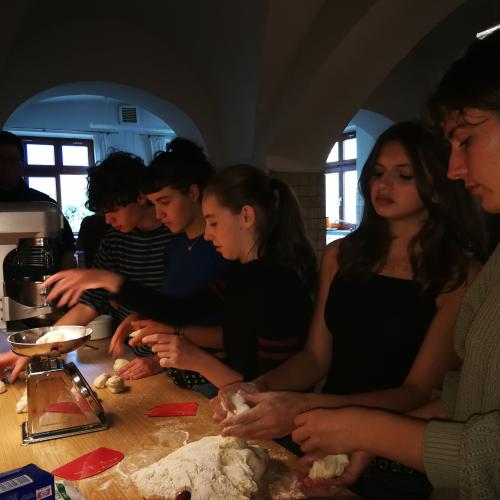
213, 468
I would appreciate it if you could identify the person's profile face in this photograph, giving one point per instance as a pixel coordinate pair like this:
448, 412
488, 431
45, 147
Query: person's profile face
124, 218
11, 166
223, 228
474, 136
175, 209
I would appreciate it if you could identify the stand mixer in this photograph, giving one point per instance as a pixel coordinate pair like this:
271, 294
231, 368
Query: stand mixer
29, 236
60, 400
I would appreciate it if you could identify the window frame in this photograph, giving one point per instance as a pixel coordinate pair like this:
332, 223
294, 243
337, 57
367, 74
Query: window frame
58, 168
340, 167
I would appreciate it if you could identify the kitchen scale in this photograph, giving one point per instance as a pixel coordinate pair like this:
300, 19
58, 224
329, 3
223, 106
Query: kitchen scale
60, 401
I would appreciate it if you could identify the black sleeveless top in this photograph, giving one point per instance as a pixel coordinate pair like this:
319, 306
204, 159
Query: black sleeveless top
378, 324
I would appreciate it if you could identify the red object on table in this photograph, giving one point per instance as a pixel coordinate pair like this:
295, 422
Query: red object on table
173, 410
89, 465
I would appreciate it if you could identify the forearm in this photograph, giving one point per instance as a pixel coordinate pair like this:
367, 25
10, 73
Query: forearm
204, 336
298, 373
81, 314
164, 308
391, 436
434, 409
217, 372
400, 399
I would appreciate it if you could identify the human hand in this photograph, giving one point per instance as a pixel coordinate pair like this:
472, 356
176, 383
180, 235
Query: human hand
154, 330
323, 432
140, 368
70, 284
117, 345
222, 403
358, 461
175, 351
9, 360
271, 415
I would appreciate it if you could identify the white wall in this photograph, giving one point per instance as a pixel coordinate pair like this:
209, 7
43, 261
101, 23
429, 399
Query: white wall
93, 117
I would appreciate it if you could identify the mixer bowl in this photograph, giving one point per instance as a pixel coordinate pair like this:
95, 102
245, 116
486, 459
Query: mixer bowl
24, 342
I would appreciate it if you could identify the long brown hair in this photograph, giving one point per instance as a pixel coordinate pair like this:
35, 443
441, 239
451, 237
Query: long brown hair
452, 232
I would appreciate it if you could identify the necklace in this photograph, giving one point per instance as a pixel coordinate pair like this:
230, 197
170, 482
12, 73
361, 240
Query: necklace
192, 243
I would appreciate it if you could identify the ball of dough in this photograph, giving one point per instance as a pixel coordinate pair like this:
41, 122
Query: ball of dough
329, 466
135, 333
100, 380
239, 403
22, 404
115, 384
3, 387
119, 364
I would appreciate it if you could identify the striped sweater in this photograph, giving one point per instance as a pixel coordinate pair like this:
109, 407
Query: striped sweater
137, 255
462, 455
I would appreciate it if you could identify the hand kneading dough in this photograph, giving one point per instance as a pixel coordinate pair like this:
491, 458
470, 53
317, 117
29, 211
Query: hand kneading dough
119, 364
3, 387
213, 468
115, 384
100, 380
329, 466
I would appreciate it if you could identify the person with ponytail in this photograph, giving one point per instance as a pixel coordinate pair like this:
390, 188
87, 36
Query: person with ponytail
267, 300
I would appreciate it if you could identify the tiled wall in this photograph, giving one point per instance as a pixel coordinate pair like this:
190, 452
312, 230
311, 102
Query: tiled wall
310, 190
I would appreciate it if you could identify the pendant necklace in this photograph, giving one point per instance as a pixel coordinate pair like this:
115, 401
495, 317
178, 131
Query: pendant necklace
192, 243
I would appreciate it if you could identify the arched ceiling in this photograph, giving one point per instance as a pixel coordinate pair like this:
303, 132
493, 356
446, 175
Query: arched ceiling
264, 81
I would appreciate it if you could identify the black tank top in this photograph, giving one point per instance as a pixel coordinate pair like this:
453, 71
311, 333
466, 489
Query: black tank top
378, 324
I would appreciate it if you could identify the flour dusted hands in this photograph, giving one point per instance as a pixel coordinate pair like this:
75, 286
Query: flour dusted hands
141, 367
70, 284
334, 486
271, 416
223, 403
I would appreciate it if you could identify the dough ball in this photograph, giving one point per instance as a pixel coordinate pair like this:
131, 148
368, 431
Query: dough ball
135, 333
100, 380
3, 387
51, 337
115, 384
22, 404
119, 364
329, 466
239, 403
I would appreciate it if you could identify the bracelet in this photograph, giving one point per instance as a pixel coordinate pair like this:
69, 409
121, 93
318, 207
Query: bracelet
179, 330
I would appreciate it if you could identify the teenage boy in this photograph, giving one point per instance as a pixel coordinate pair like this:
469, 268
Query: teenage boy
133, 247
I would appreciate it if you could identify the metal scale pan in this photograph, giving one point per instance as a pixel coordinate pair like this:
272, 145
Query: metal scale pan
60, 401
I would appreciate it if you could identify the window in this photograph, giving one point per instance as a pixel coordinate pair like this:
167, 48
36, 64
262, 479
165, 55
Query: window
341, 180
58, 167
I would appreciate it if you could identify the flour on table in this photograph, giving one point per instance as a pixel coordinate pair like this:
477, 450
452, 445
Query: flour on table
329, 466
213, 468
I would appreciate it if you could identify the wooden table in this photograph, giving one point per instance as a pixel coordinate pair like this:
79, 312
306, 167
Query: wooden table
142, 439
